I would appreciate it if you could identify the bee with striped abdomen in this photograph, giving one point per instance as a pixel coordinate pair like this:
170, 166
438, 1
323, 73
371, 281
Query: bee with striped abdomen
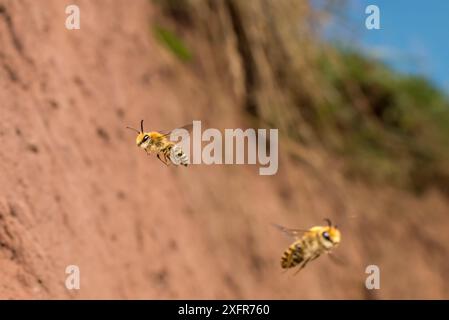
309, 244
157, 142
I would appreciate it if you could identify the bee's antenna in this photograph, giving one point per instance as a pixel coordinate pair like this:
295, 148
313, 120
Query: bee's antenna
141, 125
329, 223
133, 129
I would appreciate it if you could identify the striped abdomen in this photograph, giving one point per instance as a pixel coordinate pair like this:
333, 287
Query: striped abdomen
292, 256
177, 156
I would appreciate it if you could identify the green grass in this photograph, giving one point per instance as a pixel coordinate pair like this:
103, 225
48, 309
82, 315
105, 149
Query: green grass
173, 43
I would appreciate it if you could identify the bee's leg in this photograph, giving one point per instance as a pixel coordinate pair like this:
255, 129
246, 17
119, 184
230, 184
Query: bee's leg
284, 271
306, 262
167, 159
159, 157
302, 266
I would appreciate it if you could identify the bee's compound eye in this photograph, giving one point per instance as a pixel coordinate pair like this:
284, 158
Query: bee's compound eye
326, 236
145, 138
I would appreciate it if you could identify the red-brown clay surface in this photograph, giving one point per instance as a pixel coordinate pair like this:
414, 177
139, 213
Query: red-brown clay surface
74, 189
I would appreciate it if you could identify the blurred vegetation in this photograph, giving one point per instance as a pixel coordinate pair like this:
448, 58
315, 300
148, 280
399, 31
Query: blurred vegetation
173, 43
394, 127
179, 10
389, 127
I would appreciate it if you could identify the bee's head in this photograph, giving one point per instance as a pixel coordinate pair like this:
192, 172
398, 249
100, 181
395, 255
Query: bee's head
143, 139
330, 235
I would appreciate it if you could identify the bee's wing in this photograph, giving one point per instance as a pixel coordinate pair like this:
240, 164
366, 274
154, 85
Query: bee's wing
166, 133
295, 233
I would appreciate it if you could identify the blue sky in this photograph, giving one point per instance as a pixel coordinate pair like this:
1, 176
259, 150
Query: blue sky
414, 35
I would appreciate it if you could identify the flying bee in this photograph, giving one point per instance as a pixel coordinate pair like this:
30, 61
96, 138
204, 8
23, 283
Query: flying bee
309, 244
157, 142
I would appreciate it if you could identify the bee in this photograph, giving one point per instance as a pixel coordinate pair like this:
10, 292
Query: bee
157, 142
309, 244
